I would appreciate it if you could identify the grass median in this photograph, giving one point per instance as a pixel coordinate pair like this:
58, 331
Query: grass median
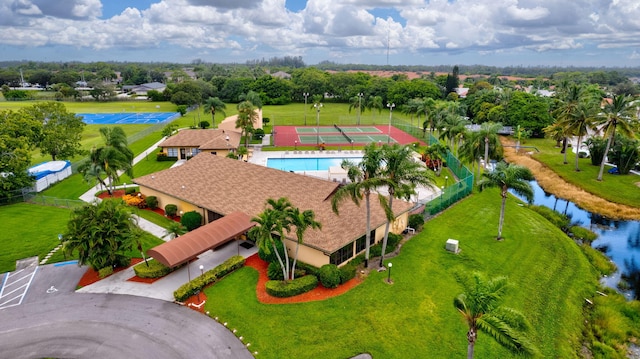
415, 316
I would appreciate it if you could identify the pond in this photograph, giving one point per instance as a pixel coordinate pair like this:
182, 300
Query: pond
618, 239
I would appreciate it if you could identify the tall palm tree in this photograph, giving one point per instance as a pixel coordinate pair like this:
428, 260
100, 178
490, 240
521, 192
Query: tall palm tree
111, 159
253, 98
357, 103
174, 230
374, 103
616, 115
579, 123
428, 105
480, 306
489, 134
411, 108
301, 221
506, 177
213, 105
365, 178
403, 174
270, 227
247, 117
569, 100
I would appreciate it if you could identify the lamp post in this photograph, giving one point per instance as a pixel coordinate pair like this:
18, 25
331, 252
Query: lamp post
317, 106
359, 106
441, 195
389, 274
306, 94
446, 181
390, 106
125, 188
202, 275
351, 144
296, 144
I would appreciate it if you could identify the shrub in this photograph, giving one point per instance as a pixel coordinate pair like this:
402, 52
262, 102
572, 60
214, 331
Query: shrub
191, 288
105, 272
131, 190
161, 156
154, 269
282, 289
347, 272
170, 210
329, 276
274, 271
134, 201
582, 234
600, 261
392, 244
204, 124
559, 220
416, 221
152, 202
191, 220
308, 268
271, 256
258, 134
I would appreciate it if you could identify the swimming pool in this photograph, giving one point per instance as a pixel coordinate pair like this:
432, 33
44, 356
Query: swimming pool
308, 164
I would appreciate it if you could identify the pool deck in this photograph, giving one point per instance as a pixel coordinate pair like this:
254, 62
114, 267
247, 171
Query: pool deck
334, 174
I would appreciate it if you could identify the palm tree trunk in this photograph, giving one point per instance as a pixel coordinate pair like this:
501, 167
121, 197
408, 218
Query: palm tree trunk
578, 152
368, 235
502, 207
284, 269
295, 259
486, 152
471, 338
565, 143
604, 156
386, 229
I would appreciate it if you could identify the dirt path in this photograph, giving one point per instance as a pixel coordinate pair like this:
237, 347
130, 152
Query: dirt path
554, 184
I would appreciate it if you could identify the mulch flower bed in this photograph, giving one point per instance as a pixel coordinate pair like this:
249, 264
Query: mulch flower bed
91, 276
119, 193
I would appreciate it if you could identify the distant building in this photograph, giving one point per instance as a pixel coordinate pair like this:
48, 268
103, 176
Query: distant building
188, 143
144, 88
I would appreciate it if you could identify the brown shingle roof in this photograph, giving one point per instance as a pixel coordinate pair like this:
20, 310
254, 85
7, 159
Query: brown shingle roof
225, 185
213, 139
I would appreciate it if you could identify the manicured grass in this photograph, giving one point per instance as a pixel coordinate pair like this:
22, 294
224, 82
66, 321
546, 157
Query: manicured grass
71, 187
99, 107
415, 316
615, 188
153, 217
29, 230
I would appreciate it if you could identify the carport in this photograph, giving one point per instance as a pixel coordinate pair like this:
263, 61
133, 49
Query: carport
210, 236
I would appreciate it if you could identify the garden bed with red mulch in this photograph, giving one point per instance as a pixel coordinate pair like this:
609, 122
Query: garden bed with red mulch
91, 276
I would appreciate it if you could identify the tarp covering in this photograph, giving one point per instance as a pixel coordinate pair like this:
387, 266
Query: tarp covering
210, 236
48, 173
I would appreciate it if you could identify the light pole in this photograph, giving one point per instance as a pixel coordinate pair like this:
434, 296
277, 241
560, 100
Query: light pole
202, 275
306, 94
389, 274
441, 195
296, 144
390, 106
351, 144
317, 106
359, 106
446, 181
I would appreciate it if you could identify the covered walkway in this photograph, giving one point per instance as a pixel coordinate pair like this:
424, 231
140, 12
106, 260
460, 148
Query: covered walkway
210, 236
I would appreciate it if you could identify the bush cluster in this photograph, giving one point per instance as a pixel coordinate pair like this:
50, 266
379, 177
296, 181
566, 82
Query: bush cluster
197, 284
392, 244
134, 200
329, 276
274, 271
105, 272
283, 289
557, 219
582, 234
154, 269
416, 221
131, 190
152, 202
170, 210
348, 272
161, 157
191, 220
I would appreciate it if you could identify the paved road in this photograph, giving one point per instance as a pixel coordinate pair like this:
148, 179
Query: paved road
53, 321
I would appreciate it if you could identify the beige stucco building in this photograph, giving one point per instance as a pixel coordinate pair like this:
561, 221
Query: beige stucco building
215, 187
189, 142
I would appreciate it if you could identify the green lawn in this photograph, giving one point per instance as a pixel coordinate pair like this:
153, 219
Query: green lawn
21, 240
614, 188
415, 317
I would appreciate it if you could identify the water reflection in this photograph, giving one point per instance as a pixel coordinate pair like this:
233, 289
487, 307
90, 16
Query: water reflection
619, 240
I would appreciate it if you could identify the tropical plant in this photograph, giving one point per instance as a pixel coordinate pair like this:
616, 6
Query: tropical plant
374, 103
174, 229
269, 229
247, 117
480, 306
301, 221
253, 98
101, 233
364, 178
616, 116
596, 146
624, 154
357, 103
191, 220
580, 122
402, 175
213, 105
489, 134
427, 106
111, 159
506, 177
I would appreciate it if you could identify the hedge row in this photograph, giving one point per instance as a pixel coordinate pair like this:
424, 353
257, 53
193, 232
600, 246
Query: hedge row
209, 277
282, 289
154, 269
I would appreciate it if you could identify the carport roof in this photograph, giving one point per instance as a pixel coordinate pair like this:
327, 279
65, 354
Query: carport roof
210, 236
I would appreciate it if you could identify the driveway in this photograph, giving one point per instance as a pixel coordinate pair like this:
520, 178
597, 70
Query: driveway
54, 321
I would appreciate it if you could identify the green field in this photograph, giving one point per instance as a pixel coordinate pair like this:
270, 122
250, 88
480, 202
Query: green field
415, 317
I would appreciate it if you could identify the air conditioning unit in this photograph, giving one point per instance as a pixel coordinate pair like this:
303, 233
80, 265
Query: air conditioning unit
452, 245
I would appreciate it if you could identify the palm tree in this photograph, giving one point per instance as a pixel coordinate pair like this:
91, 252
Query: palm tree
270, 226
569, 100
402, 174
411, 108
507, 177
356, 102
174, 230
374, 103
247, 117
615, 115
489, 134
365, 178
213, 105
302, 221
480, 306
101, 233
428, 105
110, 160
253, 98
579, 123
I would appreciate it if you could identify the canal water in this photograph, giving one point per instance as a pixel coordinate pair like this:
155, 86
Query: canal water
619, 240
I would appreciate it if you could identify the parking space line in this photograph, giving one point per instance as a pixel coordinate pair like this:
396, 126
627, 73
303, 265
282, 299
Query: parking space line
21, 289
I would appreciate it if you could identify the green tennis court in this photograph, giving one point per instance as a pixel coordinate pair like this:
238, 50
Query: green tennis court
339, 139
348, 130
338, 136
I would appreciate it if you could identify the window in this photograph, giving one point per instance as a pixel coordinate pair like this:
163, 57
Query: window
342, 255
172, 152
361, 243
195, 151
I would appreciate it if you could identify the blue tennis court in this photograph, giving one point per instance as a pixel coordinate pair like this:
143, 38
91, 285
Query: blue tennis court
127, 118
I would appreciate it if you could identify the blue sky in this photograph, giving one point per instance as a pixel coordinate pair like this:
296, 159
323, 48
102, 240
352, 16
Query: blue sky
411, 32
